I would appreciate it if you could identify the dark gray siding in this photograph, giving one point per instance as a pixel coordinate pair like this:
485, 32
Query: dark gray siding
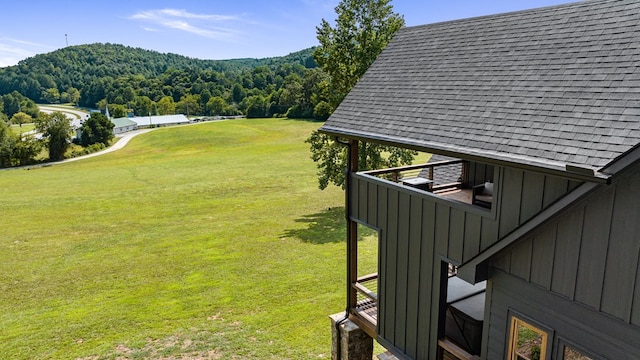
599, 334
590, 254
418, 230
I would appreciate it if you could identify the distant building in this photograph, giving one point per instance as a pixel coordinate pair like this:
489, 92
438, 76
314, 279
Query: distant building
163, 120
122, 125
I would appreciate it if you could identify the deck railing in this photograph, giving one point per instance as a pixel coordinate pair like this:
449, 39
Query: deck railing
366, 309
441, 175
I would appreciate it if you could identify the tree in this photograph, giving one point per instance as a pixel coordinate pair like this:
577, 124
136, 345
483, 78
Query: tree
189, 105
20, 118
142, 106
363, 29
11, 104
166, 106
96, 129
51, 95
216, 105
25, 150
56, 130
117, 111
72, 95
7, 144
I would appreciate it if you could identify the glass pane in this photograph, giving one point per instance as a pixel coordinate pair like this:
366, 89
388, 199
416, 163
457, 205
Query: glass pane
527, 341
573, 354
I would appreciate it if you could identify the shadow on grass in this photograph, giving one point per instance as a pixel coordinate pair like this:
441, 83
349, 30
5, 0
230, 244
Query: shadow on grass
324, 227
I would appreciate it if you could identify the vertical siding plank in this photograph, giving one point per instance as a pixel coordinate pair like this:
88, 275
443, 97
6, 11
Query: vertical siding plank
554, 189
372, 215
456, 235
565, 265
532, 192
593, 252
413, 291
391, 267
489, 233
442, 229
622, 256
510, 202
521, 259
542, 256
426, 278
404, 206
635, 307
382, 255
471, 236
502, 261
363, 204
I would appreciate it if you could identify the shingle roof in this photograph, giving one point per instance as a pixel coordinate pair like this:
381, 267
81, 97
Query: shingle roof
544, 87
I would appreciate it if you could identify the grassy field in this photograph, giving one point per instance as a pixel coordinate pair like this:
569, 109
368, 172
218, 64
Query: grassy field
199, 242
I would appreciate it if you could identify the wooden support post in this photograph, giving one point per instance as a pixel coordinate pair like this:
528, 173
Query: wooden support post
352, 228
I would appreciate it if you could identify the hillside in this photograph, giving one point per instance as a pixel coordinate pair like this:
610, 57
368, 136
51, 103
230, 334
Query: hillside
46, 77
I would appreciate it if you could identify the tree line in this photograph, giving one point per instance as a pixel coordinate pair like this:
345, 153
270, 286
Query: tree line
142, 82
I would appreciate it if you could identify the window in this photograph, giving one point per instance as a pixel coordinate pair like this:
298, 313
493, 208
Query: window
527, 342
569, 353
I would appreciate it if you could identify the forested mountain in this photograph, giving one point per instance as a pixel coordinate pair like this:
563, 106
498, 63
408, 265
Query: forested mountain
143, 81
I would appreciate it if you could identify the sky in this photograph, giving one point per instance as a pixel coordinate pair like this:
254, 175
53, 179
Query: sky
203, 29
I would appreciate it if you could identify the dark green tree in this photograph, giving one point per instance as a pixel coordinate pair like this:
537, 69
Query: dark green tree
216, 106
143, 106
363, 29
96, 129
56, 130
26, 149
7, 144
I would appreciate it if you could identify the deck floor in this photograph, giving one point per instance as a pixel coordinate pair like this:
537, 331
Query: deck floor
462, 195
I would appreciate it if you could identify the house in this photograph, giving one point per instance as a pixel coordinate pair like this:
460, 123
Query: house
539, 112
122, 125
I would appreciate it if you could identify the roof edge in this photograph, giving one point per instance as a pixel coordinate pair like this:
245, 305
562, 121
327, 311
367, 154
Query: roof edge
495, 158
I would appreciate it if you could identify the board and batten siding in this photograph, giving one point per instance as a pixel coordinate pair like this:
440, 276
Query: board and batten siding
594, 333
419, 230
589, 255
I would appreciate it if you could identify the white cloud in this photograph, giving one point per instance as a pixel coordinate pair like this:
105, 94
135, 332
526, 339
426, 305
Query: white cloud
205, 25
14, 50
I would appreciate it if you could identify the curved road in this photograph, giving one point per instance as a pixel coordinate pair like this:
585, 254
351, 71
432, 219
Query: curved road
122, 141
75, 116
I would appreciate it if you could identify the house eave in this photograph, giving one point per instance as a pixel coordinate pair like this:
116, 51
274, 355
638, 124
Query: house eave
478, 155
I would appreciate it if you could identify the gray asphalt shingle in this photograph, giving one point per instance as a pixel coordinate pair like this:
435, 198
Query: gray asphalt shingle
544, 87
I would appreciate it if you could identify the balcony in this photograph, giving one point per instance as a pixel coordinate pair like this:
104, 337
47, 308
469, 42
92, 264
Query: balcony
463, 321
451, 179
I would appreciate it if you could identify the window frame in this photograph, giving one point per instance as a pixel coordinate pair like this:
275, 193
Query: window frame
546, 333
563, 344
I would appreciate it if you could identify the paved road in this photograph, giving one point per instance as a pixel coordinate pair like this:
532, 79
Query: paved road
122, 141
75, 116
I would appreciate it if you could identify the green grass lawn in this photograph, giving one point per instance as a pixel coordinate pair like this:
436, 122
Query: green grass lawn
24, 128
205, 241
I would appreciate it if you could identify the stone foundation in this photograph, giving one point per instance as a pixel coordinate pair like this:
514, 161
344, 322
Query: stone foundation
354, 343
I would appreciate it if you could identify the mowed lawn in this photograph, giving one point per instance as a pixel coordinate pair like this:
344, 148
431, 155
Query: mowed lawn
210, 241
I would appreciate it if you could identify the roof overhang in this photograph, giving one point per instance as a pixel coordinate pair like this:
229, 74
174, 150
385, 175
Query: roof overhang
571, 171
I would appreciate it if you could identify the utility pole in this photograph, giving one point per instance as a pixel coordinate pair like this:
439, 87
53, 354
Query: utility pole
66, 39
